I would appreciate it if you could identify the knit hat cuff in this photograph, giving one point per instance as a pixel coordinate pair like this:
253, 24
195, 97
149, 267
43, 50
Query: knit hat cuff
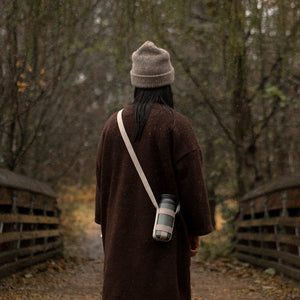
152, 81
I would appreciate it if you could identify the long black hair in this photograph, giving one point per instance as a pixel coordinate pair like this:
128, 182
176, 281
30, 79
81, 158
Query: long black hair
144, 99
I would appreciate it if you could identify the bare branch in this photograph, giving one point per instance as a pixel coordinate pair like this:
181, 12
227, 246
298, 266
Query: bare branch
188, 71
266, 121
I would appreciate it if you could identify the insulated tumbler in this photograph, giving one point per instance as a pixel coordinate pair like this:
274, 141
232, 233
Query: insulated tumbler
165, 217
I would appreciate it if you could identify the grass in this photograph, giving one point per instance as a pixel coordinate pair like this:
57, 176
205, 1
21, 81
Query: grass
77, 211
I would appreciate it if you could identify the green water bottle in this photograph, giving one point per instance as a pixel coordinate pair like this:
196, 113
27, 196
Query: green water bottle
165, 218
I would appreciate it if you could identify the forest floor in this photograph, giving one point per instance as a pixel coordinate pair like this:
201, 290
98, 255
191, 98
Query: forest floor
78, 275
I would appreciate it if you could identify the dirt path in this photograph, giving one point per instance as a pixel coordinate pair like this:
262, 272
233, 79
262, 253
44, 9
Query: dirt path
81, 278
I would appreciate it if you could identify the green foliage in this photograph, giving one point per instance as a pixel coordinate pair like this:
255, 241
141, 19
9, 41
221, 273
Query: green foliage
273, 92
220, 242
217, 244
228, 211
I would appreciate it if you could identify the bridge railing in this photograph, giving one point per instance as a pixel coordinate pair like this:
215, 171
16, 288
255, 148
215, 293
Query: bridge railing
29, 222
268, 227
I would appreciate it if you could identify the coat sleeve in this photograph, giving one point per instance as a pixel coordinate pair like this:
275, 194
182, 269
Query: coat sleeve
193, 194
191, 185
98, 197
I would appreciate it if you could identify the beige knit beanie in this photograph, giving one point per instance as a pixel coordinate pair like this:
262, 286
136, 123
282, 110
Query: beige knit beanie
151, 67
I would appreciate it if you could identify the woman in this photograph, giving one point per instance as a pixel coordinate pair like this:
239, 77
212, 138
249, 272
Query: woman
136, 266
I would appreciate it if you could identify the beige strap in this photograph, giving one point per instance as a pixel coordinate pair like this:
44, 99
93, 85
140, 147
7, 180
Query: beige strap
137, 163
166, 211
165, 228
135, 159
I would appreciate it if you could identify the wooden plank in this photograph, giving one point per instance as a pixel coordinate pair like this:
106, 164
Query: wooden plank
258, 206
287, 257
287, 270
41, 201
5, 256
18, 218
5, 196
27, 235
267, 237
280, 184
24, 199
283, 221
274, 201
26, 262
21, 182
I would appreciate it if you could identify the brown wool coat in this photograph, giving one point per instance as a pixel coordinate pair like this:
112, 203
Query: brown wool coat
136, 267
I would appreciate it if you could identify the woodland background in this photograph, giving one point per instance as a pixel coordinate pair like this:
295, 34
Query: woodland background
64, 68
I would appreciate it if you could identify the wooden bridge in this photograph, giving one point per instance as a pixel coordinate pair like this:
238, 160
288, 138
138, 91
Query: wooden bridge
268, 227
29, 220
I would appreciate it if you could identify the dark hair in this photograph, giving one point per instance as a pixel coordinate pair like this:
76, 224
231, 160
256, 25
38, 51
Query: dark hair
144, 99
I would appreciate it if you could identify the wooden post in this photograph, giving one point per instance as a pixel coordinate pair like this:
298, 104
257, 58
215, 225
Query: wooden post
32, 226
252, 205
32, 200
14, 210
241, 216
297, 234
284, 213
284, 199
266, 209
277, 242
46, 226
263, 244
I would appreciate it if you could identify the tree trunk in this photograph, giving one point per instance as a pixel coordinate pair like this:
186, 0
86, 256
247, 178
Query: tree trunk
245, 148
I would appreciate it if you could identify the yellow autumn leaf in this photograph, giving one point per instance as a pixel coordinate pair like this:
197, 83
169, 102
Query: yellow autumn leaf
42, 83
29, 69
22, 75
22, 84
21, 89
42, 71
19, 63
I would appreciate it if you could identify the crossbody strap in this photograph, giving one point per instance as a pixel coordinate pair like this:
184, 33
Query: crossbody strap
135, 159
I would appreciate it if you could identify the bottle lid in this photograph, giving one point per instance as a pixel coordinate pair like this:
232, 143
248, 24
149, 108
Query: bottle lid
168, 198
